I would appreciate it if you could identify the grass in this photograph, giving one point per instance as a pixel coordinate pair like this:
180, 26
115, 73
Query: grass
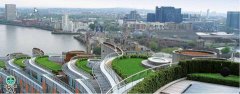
20, 63
169, 50
128, 66
82, 64
2, 64
231, 80
43, 61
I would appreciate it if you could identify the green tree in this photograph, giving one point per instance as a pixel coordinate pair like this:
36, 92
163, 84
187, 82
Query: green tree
226, 50
153, 45
92, 26
97, 50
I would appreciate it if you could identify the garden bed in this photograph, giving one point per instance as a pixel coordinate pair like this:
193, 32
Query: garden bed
44, 62
82, 64
2, 64
127, 66
216, 78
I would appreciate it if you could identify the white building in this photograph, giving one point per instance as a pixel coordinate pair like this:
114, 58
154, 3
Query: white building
10, 12
65, 23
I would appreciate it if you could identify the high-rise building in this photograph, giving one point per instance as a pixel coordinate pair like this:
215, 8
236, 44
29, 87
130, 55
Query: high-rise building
233, 18
168, 14
133, 16
65, 22
10, 12
151, 17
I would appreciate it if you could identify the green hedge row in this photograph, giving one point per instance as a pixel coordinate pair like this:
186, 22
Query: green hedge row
152, 83
230, 80
134, 56
208, 66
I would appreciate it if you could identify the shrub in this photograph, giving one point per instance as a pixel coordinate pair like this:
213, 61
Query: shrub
234, 67
208, 66
153, 82
225, 71
215, 78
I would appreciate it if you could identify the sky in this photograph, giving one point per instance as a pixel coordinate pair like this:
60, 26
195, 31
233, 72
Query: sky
186, 5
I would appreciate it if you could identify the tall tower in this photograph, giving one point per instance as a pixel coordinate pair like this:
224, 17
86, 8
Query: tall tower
208, 13
65, 22
10, 12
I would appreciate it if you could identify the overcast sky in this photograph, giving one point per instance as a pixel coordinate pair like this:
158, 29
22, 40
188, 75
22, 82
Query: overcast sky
186, 5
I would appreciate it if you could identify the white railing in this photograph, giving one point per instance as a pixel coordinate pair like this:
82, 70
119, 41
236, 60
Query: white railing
86, 86
128, 83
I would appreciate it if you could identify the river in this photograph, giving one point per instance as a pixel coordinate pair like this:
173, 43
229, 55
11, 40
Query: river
22, 39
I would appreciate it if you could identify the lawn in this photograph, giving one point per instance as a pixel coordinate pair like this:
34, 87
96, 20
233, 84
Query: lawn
231, 80
82, 64
19, 62
43, 61
128, 66
2, 64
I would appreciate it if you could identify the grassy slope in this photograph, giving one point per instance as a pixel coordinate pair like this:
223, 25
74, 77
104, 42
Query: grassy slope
128, 66
20, 63
48, 64
2, 64
82, 64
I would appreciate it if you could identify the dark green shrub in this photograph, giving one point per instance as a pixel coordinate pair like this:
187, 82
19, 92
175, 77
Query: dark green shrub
153, 82
225, 71
215, 78
208, 66
234, 67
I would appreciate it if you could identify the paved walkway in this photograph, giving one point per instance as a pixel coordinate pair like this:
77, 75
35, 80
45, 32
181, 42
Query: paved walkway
103, 82
198, 87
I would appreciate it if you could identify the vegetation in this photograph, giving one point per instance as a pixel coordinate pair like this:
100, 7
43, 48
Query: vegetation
82, 64
97, 50
226, 50
20, 62
169, 50
2, 64
43, 61
209, 66
231, 80
128, 65
160, 78
153, 82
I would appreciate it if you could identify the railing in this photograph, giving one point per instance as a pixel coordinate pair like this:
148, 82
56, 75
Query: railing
132, 80
62, 84
108, 68
94, 67
84, 80
87, 86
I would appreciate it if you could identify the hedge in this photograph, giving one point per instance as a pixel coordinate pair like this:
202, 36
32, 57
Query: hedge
152, 83
231, 80
208, 66
162, 77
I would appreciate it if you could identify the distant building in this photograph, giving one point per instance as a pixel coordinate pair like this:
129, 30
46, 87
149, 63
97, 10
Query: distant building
233, 18
65, 22
10, 12
67, 26
133, 16
151, 17
168, 14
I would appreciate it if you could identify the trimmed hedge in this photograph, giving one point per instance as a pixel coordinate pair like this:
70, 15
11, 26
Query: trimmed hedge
208, 66
230, 80
152, 83
162, 77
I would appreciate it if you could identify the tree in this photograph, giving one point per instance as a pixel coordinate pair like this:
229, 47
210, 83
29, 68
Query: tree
97, 50
225, 50
153, 45
92, 26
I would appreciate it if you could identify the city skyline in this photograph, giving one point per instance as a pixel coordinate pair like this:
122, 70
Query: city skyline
191, 5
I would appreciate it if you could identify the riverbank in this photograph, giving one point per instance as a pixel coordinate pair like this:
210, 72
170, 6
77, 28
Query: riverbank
68, 33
